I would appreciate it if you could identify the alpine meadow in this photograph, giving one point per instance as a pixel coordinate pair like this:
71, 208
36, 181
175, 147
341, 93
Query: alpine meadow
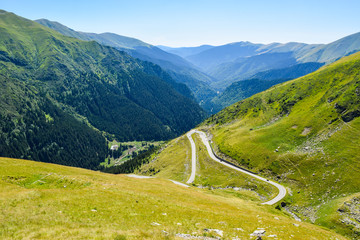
179, 120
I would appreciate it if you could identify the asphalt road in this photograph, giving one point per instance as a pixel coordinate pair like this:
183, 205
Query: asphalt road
282, 190
193, 157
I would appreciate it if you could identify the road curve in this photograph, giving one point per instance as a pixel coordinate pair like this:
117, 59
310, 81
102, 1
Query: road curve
193, 157
282, 190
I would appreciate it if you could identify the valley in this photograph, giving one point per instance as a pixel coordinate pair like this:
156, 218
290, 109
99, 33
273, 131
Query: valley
104, 136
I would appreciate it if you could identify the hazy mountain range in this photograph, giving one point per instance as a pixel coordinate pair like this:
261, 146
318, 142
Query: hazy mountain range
274, 63
238, 61
209, 69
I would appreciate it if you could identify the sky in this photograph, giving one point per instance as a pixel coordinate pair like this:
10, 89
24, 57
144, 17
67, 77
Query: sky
184, 23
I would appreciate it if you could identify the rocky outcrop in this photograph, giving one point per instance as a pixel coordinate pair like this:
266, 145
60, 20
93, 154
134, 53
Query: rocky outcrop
350, 213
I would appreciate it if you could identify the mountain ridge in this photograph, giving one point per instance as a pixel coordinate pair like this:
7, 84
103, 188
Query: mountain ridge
226, 62
180, 70
97, 88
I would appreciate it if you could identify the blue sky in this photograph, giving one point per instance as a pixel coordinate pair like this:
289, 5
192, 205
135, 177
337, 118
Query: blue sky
195, 22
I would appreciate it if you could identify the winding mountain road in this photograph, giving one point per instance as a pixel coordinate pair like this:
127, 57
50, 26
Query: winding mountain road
193, 157
282, 190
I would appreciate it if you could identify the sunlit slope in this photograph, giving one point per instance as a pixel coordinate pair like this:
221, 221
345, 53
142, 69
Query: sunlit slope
174, 162
46, 201
305, 132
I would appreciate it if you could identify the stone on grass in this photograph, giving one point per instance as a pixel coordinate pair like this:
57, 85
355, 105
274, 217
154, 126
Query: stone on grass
258, 233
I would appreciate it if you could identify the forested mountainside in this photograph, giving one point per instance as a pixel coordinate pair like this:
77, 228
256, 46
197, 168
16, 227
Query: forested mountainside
179, 69
54, 84
259, 82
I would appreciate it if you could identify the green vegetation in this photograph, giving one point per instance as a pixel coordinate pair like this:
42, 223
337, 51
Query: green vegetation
261, 81
132, 165
303, 132
213, 175
47, 201
42, 131
60, 96
173, 162
108, 87
292, 72
179, 69
239, 91
126, 151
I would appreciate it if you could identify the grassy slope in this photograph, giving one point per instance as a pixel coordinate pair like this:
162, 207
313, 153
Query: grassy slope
174, 162
36, 204
212, 174
304, 119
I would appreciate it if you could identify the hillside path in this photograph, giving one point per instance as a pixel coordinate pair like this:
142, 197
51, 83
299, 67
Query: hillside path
282, 190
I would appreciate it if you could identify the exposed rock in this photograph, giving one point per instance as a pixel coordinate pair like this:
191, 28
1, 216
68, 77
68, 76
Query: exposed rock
350, 212
239, 229
189, 236
258, 233
292, 214
217, 231
155, 224
306, 131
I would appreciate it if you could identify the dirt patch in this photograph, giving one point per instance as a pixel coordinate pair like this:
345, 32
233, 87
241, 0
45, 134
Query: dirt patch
294, 127
306, 131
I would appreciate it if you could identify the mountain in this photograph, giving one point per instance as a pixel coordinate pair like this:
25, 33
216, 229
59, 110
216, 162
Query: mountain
266, 57
259, 82
210, 58
305, 134
239, 61
333, 51
246, 67
53, 85
117, 41
186, 51
295, 71
179, 69
240, 90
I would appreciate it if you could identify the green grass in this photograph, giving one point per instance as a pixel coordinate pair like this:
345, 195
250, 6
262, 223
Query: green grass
105, 206
211, 174
174, 162
296, 132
